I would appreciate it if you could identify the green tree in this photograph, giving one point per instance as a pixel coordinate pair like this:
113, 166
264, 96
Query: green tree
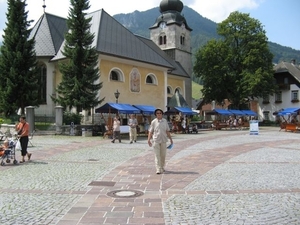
18, 65
80, 74
239, 66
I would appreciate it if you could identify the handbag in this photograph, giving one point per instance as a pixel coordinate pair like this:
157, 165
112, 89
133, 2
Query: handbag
18, 145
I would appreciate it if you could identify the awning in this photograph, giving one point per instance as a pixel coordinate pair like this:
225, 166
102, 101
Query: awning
186, 110
182, 110
146, 109
249, 112
289, 111
237, 112
117, 108
223, 112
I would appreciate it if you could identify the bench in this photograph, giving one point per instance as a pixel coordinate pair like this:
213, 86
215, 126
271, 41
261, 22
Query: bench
291, 127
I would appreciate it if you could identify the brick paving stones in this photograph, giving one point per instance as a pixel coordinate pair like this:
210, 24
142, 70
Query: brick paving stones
213, 177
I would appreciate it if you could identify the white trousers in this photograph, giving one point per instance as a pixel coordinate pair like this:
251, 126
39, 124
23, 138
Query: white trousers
160, 151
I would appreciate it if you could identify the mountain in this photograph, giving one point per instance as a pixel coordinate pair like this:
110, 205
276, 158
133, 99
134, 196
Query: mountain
203, 30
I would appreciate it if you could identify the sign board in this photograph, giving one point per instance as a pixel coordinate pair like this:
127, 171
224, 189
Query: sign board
254, 130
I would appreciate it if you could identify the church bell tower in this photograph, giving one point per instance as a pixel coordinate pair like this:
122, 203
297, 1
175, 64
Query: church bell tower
173, 35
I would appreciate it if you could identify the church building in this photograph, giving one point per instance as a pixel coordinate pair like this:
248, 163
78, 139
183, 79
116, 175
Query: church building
144, 71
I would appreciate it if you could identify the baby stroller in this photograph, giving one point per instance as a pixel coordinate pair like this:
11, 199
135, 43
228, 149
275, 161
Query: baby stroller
9, 153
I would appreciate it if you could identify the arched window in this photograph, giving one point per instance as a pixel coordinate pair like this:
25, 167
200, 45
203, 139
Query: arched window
177, 90
182, 39
116, 75
151, 79
42, 91
169, 90
162, 39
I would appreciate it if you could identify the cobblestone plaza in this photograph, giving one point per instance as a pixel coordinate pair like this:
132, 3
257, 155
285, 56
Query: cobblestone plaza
213, 177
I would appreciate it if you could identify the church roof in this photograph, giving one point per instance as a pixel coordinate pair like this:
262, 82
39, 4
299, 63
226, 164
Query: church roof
171, 14
111, 38
48, 33
166, 5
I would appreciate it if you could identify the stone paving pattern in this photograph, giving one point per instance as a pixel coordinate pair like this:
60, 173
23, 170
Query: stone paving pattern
213, 177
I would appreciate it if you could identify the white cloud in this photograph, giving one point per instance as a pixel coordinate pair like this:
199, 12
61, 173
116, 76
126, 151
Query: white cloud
219, 10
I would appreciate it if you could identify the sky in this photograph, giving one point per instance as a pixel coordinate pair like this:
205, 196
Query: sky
279, 18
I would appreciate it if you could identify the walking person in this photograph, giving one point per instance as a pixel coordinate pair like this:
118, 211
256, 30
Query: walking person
146, 124
132, 122
116, 130
159, 131
22, 129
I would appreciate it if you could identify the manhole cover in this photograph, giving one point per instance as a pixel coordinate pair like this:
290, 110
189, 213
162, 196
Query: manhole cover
125, 194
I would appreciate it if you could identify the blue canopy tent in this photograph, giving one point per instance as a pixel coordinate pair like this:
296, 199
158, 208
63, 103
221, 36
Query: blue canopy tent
146, 109
288, 111
249, 112
182, 110
237, 112
117, 108
223, 112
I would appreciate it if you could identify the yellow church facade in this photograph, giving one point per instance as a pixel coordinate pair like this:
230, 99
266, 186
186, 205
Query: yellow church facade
135, 66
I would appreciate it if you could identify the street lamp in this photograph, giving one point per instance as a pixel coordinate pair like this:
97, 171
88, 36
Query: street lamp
117, 94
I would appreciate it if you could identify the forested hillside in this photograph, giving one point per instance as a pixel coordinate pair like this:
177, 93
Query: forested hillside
203, 30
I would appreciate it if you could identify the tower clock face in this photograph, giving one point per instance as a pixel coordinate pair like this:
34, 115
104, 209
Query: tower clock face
183, 26
162, 25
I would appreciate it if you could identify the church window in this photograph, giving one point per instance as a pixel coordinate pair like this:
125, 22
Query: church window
178, 90
151, 79
182, 39
169, 90
116, 75
42, 91
162, 39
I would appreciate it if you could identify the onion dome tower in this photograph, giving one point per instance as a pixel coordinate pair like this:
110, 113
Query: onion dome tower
173, 35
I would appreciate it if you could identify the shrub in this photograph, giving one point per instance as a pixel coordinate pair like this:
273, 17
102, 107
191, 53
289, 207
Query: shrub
70, 117
196, 118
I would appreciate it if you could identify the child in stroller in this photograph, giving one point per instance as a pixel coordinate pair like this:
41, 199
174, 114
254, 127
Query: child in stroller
3, 147
7, 151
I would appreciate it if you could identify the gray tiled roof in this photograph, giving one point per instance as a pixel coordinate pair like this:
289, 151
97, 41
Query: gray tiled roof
291, 68
49, 34
171, 17
111, 38
114, 39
